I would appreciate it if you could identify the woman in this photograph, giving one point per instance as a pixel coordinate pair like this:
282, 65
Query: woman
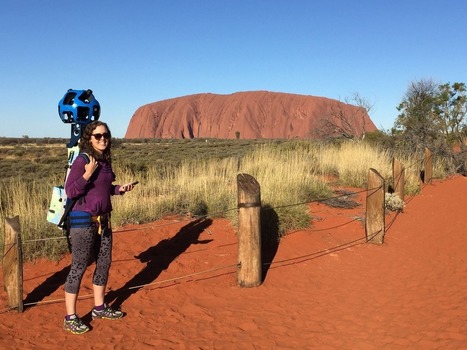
90, 181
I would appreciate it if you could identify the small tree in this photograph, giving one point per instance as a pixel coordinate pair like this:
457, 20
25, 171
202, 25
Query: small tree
432, 115
415, 123
342, 123
451, 111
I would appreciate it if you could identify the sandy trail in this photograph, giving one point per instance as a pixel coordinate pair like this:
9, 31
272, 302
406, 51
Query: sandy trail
325, 288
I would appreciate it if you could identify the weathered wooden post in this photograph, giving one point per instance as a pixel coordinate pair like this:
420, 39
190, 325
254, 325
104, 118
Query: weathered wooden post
465, 164
463, 149
12, 263
398, 174
374, 223
428, 163
249, 272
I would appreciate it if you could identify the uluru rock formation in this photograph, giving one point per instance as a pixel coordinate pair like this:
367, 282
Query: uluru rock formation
248, 115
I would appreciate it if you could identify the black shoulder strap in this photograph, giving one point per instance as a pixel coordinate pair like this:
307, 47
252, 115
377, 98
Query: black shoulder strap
86, 156
70, 203
68, 207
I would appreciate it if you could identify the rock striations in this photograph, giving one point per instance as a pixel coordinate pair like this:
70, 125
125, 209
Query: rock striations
247, 115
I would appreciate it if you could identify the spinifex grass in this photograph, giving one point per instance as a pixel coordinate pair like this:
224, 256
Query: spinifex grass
350, 162
195, 178
288, 180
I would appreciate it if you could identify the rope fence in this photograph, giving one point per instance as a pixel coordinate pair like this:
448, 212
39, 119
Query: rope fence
249, 266
197, 217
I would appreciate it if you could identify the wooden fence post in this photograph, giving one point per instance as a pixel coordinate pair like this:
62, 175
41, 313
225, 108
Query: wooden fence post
12, 263
398, 174
463, 149
374, 223
428, 163
249, 231
465, 164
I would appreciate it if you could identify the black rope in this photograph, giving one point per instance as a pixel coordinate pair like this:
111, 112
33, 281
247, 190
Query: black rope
323, 252
220, 213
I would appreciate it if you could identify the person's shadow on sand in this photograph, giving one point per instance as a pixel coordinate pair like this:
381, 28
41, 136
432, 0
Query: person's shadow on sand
46, 288
158, 258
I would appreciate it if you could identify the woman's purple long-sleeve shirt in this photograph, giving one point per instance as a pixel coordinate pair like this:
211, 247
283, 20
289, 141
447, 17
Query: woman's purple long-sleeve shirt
96, 192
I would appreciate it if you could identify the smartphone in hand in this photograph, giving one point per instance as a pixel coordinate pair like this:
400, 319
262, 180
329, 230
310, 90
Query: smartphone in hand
129, 187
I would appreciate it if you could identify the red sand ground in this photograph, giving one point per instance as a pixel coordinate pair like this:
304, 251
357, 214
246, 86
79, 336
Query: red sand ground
325, 289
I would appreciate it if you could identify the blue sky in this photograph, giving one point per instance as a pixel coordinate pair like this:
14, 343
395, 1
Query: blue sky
138, 52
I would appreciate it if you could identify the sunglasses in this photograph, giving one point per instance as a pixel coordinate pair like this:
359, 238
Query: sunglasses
98, 136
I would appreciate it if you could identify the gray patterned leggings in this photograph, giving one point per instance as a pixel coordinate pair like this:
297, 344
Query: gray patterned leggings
88, 246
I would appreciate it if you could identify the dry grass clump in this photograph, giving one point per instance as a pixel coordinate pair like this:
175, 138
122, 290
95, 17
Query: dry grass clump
393, 202
288, 180
350, 162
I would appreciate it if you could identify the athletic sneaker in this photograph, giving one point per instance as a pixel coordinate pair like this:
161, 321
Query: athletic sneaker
75, 326
107, 313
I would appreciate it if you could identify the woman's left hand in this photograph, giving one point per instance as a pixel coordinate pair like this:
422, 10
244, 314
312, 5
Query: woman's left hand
127, 187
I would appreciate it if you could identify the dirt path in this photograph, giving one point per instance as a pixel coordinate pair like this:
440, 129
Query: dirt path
325, 287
